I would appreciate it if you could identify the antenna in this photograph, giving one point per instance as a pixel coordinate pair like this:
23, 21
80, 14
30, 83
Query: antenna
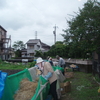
35, 34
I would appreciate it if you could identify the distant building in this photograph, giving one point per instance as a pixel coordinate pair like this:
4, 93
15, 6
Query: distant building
45, 47
34, 45
5, 44
24, 52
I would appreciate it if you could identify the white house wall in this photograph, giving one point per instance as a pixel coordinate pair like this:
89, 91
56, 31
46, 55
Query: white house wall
37, 46
32, 50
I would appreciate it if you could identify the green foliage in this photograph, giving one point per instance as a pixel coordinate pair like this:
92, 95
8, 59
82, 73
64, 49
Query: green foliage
58, 49
1, 60
32, 64
83, 87
97, 78
18, 45
18, 53
59, 42
83, 33
38, 54
14, 66
45, 55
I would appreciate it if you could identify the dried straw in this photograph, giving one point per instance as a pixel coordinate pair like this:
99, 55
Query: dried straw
26, 91
72, 65
69, 74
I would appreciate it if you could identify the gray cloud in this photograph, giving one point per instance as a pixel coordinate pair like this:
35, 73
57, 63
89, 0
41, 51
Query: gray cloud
21, 18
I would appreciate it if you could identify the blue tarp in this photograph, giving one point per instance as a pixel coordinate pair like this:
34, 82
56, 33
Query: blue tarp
3, 76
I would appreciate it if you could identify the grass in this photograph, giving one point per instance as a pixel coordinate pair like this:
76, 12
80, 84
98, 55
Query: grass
15, 66
83, 87
97, 78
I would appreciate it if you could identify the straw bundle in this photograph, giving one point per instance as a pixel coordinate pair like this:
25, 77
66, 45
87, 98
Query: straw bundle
26, 91
72, 65
67, 86
69, 74
38, 72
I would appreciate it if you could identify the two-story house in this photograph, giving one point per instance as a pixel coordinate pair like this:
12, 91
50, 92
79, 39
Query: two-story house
5, 44
34, 45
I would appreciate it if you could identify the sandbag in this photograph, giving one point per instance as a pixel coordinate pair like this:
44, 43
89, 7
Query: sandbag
60, 76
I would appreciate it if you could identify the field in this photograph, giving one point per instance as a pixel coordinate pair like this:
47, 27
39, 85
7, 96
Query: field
83, 87
15, 66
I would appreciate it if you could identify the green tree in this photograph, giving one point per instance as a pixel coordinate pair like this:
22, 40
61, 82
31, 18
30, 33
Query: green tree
18, 53
38, 54
83, 32
58, 49
18, 45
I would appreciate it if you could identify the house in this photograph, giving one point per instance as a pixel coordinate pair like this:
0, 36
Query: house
45, 47
24, 52
12, 52
34, 45
5, 44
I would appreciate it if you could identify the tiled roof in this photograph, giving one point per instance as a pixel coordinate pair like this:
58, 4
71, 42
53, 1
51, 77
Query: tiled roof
43, 44
33, 41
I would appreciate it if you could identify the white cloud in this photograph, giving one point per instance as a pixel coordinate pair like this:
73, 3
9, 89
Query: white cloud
21, 18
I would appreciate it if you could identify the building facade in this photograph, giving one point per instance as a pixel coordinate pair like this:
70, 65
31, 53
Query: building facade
5, 44
34, 45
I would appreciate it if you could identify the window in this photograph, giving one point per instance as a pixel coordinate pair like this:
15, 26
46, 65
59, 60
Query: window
31, 47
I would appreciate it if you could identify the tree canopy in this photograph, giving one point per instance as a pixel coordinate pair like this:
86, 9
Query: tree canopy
83, 33
18, 45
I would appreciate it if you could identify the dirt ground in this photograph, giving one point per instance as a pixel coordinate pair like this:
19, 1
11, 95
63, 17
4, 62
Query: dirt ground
65, 97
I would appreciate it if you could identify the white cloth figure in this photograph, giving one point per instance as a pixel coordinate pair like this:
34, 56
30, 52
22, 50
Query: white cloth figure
57, 72
33, 73
60, 78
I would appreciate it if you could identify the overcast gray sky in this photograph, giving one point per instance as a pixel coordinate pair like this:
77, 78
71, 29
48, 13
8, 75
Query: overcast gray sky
22, 18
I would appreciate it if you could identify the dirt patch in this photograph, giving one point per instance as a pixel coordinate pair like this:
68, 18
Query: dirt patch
10, 72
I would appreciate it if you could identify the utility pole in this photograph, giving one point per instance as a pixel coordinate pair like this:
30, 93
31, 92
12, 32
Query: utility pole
54, 32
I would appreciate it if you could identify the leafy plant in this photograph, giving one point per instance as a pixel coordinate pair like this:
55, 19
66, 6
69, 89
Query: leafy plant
97, 78
32, 64
7, 65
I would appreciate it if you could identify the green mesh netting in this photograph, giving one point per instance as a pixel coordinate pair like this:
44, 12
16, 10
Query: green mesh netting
12, 85
45, 90
57, 67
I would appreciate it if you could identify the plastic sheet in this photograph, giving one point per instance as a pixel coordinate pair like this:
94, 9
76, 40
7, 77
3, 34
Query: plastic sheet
3, 76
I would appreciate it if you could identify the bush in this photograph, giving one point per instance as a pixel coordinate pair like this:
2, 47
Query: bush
32, 64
